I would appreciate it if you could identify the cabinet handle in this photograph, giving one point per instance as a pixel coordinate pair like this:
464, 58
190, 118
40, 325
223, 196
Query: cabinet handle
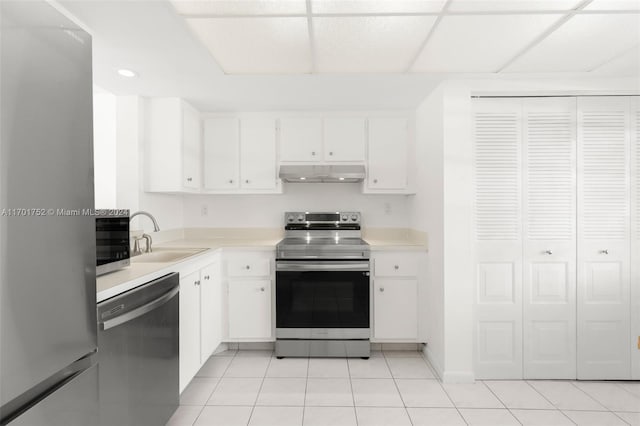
548, 252
206, 277
197, 282
375, 181
261, 288
605, 251
313, 153
247, 267
381, 289
189, 179
230, 180
396, 267
330, 152
246, 181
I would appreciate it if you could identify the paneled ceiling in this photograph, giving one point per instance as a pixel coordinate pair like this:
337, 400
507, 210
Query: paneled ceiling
416, 36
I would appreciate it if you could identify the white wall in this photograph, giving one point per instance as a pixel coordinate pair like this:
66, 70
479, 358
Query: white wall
104, 149
260, 211
426, 213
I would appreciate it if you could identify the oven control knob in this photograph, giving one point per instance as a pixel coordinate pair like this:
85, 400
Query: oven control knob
290, 219
300, 218
354, 217
345, 217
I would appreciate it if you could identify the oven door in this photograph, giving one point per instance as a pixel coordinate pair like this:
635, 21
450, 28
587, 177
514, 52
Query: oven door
322, 299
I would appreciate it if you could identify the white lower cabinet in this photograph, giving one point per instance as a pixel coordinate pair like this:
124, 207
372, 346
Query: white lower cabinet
200, 317
395, 308
249, 295
395, 296
249, 309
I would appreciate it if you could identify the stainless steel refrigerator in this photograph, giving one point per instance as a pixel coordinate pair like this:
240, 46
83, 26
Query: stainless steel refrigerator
48, 372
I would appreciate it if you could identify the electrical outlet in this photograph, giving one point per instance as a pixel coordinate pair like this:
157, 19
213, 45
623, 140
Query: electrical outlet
204, 210
387, 208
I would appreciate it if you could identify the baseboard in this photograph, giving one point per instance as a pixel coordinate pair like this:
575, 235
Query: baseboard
458, 377
436, 366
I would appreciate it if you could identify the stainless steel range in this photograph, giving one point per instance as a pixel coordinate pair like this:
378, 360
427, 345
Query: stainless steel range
322, 286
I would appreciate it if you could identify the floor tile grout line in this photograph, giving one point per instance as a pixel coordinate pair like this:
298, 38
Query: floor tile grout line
259, 390
214, 388
619, 385
353, 396
616, 414
393, 377
573, 383
501, 401
453, 403
549, 400
306, 385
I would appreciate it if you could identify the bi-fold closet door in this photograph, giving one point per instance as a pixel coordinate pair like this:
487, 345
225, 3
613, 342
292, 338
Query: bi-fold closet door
550, 179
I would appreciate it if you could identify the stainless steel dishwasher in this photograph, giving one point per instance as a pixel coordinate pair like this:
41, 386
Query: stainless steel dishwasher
138, 347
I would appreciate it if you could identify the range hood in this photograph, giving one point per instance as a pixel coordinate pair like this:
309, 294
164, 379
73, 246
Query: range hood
324, 173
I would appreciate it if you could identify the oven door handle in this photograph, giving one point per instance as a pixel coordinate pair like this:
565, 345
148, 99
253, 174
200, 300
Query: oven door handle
322, 266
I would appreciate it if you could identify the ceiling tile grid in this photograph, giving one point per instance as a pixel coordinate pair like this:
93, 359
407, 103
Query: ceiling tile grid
418, 36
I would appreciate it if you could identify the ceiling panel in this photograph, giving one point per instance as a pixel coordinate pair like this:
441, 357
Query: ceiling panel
510, 5
376, 6
368, 44
627, 64
614, 5
581, 44
256, 45
240, 7
479, 43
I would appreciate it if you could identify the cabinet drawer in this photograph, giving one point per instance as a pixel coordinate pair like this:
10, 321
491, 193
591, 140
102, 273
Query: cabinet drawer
395, 265
249, 266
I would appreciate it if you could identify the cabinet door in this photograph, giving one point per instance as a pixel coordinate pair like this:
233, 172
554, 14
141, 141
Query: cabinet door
190, 148
221, 153
300, 139
344, 139
249, 309
210, 310
604, 343
549, 280
189, 328
395, 309
388, 146
258, 153
498, 237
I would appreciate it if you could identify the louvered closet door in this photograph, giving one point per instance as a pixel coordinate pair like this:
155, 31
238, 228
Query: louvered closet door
549, 278
604, 347
635, 236
498, 228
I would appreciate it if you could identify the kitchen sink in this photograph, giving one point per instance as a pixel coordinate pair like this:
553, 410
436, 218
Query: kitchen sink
166, 255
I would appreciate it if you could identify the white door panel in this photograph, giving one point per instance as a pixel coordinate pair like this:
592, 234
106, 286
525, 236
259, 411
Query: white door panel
604, 346
549, 213
498, 233
221, 153
258, 153
635, 237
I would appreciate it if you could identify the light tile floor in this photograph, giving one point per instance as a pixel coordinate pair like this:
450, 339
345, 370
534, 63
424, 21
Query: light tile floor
391, 388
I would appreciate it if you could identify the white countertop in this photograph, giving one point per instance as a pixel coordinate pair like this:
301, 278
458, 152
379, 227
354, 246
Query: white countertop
138, 273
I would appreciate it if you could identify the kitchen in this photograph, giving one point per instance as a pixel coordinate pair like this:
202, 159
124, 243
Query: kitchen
491, 194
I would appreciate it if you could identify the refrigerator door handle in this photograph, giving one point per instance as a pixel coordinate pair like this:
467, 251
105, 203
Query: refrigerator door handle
22, 403
147, 307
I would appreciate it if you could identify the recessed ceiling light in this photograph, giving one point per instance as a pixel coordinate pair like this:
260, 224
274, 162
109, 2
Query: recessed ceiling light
127, 73
341, 178
303, 178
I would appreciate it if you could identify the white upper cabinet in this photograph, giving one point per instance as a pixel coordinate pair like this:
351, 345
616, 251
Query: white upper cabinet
344, 139
301, 139
388, 154
221, 153
240, 155
258, 154
172, 146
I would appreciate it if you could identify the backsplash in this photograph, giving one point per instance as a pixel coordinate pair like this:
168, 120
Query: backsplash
266, 211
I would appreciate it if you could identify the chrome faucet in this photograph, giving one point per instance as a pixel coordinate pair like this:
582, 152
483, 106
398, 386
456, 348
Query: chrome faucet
136, 241
156, 228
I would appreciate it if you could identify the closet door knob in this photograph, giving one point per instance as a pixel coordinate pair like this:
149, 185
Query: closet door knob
549, 252
605, 251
